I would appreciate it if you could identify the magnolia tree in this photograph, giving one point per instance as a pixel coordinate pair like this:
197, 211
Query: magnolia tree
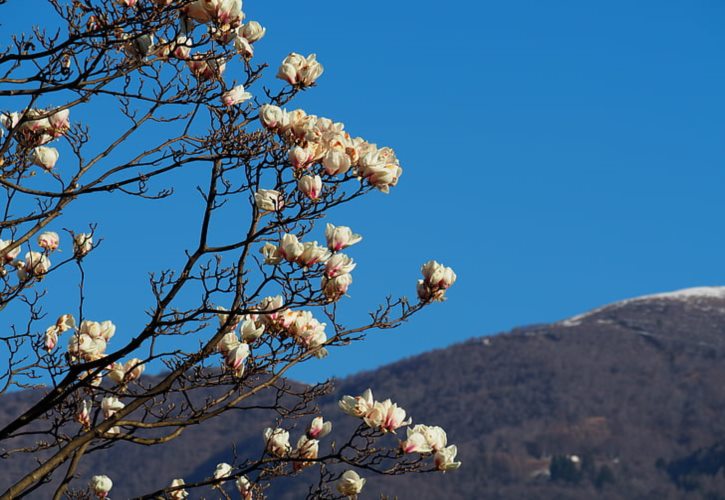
258, 300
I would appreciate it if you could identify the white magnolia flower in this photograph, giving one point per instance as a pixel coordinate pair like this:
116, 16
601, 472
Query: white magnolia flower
182, 47
128, 372
350, 484
300, 70
253, 31
424, 439
386, 416
339, 264
312, 253
319, 428
273, 117
83, 415
301, 158
51, 338
244, 486
335, 288
336, 162
45, 157
268, 200
101, 485
35, 264
250, 330
357, 406
8, 257
235, 359
83, 346
308, 449
277, 442
271, 254
223, 471
235, 96
310, 186
59, 122
110, 405
49, 240
290, 247
82, 244
437, 278
445, 459
340, 237
381, 168
243, 47
179, 494
228, 343
93, 329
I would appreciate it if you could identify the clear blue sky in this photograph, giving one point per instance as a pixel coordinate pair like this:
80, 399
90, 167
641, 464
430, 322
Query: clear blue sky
558, 155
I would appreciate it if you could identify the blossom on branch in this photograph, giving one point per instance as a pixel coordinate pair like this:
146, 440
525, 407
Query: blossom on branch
299, 70
277, 442
350, 484
340, 237
45, 157
82, 244
437, 278
101, 485
235, 96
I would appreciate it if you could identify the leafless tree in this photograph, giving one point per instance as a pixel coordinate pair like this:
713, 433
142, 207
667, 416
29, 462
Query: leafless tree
158, 71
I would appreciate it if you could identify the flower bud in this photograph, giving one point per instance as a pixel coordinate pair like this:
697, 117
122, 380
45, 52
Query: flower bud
82, 244
319, 428
310, 186
253, 31
350, 484
101, 485
49, 240
45, 157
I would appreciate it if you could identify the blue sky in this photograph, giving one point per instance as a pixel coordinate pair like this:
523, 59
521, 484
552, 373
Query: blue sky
558, 155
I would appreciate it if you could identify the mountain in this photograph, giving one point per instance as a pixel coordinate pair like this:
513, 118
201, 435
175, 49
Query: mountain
625, 401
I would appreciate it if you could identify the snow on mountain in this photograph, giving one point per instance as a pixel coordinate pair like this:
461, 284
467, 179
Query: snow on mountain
686, 294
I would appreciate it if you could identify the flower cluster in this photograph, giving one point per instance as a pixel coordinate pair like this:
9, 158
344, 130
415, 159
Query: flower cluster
314, 140
301, 326
426, 439
336, 278
277, 443
89, 342
386, 416
37, 127
437, 278
234, 350
34, 264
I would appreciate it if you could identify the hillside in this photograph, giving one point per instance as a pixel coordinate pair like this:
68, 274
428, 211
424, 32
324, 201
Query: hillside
626, 401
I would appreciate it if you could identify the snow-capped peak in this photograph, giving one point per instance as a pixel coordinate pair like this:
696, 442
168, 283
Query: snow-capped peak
686, 294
